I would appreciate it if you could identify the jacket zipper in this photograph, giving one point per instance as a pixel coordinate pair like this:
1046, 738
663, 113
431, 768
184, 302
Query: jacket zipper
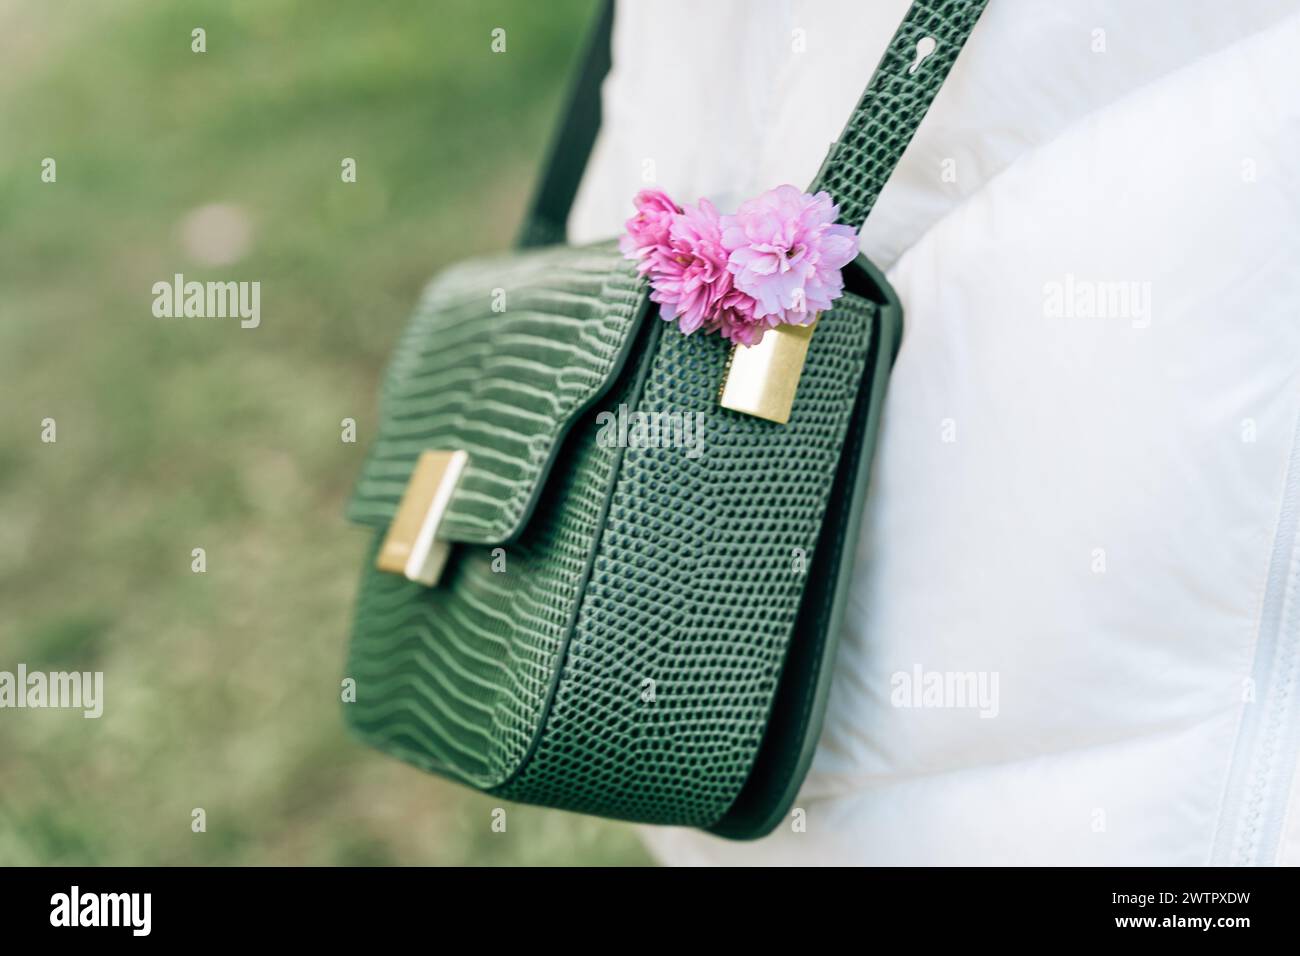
1259, 782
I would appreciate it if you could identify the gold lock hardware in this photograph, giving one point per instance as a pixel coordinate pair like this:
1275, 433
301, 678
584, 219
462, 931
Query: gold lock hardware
761, 379
411, 548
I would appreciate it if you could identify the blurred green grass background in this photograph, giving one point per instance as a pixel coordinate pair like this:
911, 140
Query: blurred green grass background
222, 689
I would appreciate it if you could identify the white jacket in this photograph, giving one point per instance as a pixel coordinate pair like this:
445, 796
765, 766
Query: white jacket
1085, 497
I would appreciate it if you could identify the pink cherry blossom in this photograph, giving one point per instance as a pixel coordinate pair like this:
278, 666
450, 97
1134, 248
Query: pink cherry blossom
776, 261
785, 250
688, 274
648, 229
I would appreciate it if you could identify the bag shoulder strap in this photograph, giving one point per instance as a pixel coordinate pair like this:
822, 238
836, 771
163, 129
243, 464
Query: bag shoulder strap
548, 214
858, 164
900, 92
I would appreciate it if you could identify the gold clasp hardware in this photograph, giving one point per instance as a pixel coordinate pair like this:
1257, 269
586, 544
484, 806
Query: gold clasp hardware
761, 379
411, 547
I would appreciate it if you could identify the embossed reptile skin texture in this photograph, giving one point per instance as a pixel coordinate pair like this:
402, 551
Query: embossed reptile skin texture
499, 358
697, 580
614, 625
893, 105
639, 565
455, 678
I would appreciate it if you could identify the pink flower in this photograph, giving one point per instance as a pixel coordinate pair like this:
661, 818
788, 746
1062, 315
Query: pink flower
736, 320
648, 229
778, 260
785, 251
689, 278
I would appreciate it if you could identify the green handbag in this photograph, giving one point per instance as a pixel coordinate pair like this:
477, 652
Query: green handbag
633, 632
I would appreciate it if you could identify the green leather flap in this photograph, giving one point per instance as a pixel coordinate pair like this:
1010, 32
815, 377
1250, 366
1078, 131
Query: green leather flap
501, 357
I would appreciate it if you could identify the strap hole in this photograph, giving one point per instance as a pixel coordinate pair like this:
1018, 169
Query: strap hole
924, 47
